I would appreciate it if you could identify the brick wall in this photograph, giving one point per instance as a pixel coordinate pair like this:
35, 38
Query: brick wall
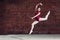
15, 16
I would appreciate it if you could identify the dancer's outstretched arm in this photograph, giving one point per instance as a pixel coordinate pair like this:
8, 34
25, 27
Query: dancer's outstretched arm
46, 17
38, 5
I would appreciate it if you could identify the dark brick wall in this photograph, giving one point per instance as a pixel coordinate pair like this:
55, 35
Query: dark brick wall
15, 16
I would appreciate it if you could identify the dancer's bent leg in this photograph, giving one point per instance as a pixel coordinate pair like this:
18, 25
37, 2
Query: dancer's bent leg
46, 17
33, 24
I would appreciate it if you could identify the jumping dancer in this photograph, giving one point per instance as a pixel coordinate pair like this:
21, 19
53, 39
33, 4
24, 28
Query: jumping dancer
37, 18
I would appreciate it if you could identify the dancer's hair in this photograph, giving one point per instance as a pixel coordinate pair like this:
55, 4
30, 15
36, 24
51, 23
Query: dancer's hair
38, 6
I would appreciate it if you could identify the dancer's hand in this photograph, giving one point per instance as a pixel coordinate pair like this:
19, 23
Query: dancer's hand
41, 4
32, 17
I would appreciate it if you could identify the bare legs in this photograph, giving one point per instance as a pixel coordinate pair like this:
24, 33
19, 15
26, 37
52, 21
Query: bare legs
33, 24
40, 19
46, 17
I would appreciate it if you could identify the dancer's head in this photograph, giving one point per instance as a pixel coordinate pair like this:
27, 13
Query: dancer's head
39, 9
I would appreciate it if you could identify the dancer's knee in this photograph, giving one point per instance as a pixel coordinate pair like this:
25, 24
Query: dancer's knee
42, 19
35, 22
46, 18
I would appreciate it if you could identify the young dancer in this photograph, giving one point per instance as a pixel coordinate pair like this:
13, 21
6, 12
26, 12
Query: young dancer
37, 17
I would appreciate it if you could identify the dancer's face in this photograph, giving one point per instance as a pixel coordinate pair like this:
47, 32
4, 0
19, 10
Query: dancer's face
39, 9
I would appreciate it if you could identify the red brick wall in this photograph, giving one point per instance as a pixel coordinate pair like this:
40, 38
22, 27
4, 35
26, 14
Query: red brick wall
15, 16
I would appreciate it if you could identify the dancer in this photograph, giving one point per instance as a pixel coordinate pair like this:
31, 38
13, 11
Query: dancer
37, 18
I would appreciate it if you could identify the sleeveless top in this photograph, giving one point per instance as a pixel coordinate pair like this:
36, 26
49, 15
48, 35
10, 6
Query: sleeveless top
37, 18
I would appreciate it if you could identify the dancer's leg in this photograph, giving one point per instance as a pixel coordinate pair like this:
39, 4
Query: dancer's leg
46, 17
33, 24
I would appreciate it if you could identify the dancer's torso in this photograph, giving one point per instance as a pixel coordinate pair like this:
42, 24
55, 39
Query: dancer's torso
37, 18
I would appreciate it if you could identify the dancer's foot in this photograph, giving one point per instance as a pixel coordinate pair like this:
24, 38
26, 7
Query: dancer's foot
30, 32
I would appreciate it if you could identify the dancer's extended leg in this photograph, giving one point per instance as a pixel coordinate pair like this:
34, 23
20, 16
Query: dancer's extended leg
33, 24
46, 17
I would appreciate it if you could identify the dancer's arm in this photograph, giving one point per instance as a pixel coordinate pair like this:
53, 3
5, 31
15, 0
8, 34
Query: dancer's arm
36, 15
38, 5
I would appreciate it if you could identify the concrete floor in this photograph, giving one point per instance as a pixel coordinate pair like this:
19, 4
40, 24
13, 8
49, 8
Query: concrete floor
29, 37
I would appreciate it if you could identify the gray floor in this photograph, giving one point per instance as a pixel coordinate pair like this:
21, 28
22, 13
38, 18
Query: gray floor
29, 37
